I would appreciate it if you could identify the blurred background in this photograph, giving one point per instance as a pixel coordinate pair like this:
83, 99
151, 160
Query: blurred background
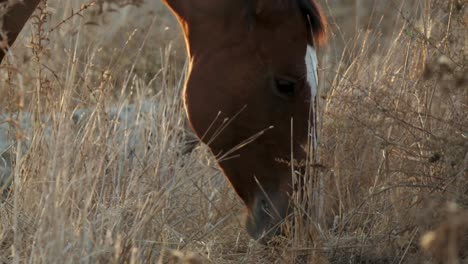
124, 189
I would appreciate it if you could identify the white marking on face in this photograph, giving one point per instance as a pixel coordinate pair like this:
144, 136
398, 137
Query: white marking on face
311, 64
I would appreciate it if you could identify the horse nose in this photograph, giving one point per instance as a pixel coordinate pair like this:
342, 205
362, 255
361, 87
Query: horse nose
266, 215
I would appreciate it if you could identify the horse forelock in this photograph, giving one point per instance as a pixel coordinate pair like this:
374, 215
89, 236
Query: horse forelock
316, 20
310, 10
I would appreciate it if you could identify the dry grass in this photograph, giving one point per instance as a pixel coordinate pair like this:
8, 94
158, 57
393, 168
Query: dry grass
116, 184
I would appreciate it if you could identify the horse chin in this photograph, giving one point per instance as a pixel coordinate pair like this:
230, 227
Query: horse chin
266, 216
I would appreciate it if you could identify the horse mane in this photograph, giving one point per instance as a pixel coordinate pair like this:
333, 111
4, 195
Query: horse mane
317, 21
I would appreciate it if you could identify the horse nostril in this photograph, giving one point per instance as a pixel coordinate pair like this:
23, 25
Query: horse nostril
266, 207
266, 215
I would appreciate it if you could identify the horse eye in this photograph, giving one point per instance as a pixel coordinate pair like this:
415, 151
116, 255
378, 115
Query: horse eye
285, 86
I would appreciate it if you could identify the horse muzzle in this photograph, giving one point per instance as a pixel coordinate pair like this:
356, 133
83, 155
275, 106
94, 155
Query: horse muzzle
266, 215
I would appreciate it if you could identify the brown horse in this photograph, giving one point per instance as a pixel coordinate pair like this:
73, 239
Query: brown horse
252, 76
251, 81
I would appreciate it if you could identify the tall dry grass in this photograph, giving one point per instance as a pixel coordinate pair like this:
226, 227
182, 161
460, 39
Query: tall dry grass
395, 133
100, 172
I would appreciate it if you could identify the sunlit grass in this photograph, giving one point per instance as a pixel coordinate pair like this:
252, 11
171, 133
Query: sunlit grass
94, 137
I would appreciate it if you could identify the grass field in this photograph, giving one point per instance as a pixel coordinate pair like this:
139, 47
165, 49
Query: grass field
93, 142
